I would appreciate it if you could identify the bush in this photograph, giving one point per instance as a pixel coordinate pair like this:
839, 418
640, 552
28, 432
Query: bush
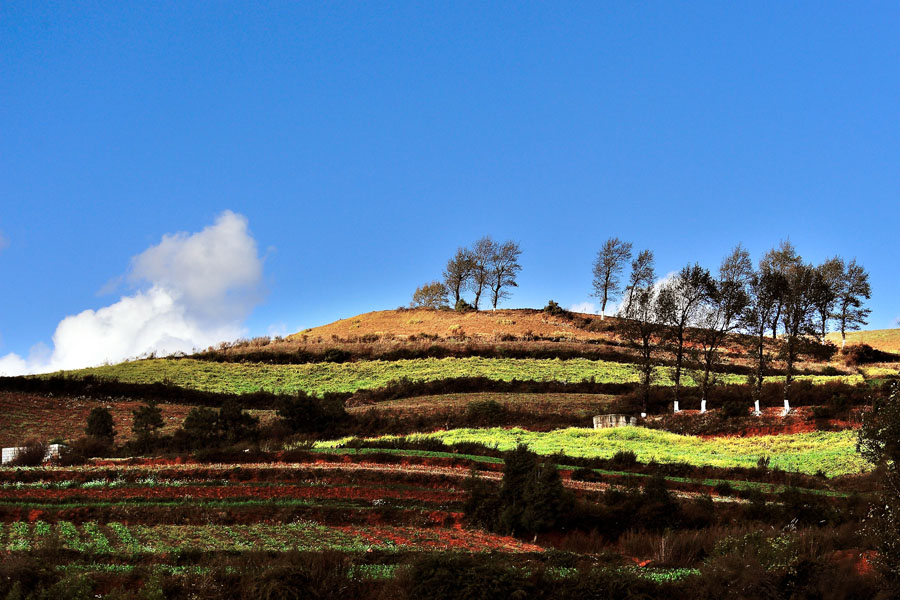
30, 455
733, 409
463, 307
484, 411
723, 488
430, 295
302, 413
336, 355
863, 354
531, 498
100, 424
555, 309
623, 459
451, 577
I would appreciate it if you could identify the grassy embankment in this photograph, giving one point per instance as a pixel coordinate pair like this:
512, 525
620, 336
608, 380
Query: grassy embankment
350, 377
832, 453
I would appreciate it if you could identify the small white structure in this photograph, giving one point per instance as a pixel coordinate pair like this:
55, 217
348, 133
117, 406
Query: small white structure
607, 421
10, 454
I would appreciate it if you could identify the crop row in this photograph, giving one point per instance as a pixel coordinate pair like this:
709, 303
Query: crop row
231, 492
320, 378
829, 453
119, 538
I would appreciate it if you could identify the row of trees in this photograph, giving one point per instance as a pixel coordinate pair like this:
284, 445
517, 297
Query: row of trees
487, 268
691, 313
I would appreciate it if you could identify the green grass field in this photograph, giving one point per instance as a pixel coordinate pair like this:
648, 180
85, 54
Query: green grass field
349, 377
833, 453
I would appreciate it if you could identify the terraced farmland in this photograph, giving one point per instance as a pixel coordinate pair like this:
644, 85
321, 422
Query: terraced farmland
319, 378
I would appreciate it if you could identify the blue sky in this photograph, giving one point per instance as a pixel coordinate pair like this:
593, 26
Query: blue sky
358, 144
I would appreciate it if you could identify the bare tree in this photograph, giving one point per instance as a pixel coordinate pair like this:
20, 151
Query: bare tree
765, 289
640, 323
430, 295
779, 260
642, 275
610, 261
796, 318
481, 253
722, 313
854, 288
680, 301
458, 273
503, 268
826, 288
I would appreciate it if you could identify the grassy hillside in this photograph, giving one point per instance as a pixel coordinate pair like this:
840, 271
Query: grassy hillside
319, 378
833, 453
887, 340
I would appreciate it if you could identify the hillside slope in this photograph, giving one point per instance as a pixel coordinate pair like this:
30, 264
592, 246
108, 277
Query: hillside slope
887, 340
480, 325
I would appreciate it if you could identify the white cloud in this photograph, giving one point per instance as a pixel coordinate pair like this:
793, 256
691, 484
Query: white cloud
279, 330
196, 290
584, 307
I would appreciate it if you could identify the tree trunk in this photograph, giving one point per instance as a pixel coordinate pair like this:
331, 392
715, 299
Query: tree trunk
603, 306
760, 363
679, 360
789, 376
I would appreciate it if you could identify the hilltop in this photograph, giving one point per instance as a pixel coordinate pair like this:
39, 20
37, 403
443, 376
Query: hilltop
521, 323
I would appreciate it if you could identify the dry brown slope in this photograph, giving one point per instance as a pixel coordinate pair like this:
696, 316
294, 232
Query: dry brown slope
887, 340
486, 325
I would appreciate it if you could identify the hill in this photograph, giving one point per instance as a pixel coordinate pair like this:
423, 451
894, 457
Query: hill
485, 325
887, 340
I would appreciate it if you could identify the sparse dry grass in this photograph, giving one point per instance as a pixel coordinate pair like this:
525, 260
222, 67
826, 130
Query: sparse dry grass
480, 325
887, 340
30, 416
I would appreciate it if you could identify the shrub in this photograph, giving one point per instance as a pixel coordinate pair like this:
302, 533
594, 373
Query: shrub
462, 306
733, 409
336, 355
451, 577
30, 455
100, 424
302, 413
531, 498
554, 309
236, 425
430, 295
623, 459
146, 425
484, 411
723, 488
201, 428
863, 354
